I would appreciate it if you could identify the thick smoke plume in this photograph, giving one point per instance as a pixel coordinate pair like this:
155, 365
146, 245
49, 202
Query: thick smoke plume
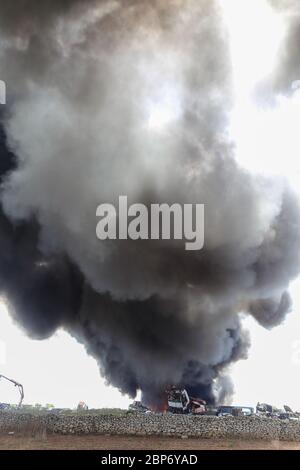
110, 98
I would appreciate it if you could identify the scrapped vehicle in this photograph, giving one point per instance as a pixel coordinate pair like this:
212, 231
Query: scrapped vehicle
179, 402
283, 415
247, 411
289, 414
197, 406
138, 406
294, 417
235, 411
225, 411
265, 409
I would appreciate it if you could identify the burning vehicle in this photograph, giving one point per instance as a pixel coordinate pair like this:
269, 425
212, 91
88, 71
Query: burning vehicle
180, 402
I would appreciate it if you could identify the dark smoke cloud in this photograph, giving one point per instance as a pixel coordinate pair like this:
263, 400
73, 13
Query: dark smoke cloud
85, 80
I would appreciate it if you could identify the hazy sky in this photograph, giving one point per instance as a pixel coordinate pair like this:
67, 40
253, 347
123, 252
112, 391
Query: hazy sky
59, 371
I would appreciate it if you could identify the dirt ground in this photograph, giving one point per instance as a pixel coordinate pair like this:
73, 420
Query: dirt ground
56, 442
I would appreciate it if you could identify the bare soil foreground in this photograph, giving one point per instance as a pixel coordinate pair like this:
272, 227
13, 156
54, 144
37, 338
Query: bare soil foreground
55, 442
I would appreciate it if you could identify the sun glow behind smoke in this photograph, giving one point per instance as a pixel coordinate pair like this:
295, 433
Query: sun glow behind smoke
160, 115
164, 108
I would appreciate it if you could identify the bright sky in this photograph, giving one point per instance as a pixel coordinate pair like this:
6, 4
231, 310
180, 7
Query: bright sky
56, 371
59, 371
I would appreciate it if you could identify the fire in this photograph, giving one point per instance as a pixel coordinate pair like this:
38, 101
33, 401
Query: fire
159, 408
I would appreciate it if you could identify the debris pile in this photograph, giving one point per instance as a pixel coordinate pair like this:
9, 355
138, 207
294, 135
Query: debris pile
269, 411
180, 402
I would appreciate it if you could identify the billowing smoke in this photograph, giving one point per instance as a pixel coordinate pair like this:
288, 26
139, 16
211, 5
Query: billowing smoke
110, 98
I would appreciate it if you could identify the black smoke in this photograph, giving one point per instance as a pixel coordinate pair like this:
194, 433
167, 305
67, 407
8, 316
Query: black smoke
86, 78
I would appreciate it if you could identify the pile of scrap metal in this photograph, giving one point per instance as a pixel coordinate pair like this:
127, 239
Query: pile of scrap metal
269, 411
178, 401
